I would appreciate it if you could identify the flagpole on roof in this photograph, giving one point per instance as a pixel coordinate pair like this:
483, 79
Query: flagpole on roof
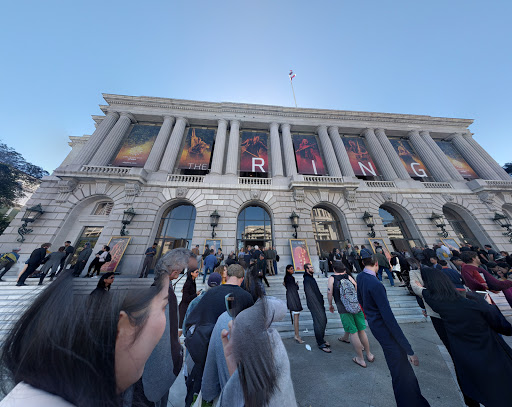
291, 76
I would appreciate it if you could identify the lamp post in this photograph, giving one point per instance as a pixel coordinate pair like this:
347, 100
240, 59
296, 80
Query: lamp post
295, 223
127, 219
504, 222
30, 216
368, 219
438, 220
214, 221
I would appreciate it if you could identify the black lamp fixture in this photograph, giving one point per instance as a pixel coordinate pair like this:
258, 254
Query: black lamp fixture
438, 220
295, 223
127, 219
504, 222
368, 219
30, 216
214, 221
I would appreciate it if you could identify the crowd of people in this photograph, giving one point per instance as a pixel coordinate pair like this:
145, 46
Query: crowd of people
126, 343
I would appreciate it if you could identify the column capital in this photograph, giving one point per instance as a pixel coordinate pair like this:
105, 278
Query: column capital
322, 127
235, 122
167, 117
285, 126
274, 125
367, 131
412, 133
182, 119
452, 136
129, 116
332, 128
222, 121
112, 113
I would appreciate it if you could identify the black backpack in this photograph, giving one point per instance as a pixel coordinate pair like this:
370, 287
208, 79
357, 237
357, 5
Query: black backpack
108, 258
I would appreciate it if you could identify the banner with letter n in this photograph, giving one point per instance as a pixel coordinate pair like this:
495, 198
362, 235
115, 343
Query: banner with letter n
307, 154
254, 152
359, 157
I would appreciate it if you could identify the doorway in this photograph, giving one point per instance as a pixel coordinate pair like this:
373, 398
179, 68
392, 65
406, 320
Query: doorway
254, 227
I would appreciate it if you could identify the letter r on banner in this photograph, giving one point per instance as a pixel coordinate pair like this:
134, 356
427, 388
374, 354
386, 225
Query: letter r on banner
258, 162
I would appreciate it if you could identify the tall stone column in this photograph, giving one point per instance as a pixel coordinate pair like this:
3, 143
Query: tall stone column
488, 158
93, 144
428, 157
111, 143
275, 151
289, 152
220, 143
378, 154
332, 163
341, 152
448, 166
155, 156
473, 158
173, 146
233, 148
392, 155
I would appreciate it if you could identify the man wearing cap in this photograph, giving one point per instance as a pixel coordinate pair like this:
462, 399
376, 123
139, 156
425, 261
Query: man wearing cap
8, 260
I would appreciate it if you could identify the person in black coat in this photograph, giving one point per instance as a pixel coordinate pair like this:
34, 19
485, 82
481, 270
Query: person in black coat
293, 299
315, 301
189, 293
472, 327
34, 261
398, 352
262, 268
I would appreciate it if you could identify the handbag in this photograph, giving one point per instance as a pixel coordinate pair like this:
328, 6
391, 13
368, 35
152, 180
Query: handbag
277, 257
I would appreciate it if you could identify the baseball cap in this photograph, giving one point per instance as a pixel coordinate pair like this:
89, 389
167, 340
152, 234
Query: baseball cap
214, 280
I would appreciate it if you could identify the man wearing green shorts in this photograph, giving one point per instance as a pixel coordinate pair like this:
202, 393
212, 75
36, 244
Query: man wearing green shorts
353, 323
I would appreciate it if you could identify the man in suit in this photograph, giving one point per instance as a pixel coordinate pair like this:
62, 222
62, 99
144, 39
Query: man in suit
34, 261
70, 250
371, 294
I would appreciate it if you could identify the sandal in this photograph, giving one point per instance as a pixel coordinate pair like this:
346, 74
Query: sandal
325, 348
327, 344
357, 363
300, 341
341, 340
371, 361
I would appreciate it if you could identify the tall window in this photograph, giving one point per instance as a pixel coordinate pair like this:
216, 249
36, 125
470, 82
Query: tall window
327, 231
460, 227
176, 229
254, 227
90, 235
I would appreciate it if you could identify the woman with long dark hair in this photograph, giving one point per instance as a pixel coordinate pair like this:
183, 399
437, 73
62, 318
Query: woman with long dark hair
105, 283
473, 327
293, 300
189, 293
87, 355
256, 359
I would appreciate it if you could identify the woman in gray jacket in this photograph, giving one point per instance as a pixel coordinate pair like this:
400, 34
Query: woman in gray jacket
52, 264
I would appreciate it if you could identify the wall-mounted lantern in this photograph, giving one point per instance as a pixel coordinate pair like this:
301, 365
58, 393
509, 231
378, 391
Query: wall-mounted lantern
368, 219
295, 223
214, 221
438, 220
128, 215
30, 216
504, 222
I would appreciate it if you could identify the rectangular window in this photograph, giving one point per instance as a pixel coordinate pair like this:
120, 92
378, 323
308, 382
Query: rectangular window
103, 208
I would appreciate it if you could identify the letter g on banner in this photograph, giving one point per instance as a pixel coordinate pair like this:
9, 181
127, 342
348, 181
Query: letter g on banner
419, 172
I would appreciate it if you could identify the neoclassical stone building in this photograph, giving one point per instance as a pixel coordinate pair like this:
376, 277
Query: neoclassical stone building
175, 162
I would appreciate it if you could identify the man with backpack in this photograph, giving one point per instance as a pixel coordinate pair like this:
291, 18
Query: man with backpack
343, 289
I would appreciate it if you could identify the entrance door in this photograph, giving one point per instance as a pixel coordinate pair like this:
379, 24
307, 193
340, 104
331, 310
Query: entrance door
327, 231
254, 228
90, 235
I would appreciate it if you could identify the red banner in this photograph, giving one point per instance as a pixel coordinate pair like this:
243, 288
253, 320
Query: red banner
409, 158
253, 152
359, 157
307, 154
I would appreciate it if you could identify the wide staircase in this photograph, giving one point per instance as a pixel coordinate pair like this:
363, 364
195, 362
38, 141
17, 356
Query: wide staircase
13, 300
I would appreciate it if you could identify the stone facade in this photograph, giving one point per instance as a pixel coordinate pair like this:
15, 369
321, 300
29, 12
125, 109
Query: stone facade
86, 178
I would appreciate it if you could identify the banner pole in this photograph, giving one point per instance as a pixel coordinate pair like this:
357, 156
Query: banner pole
293, 91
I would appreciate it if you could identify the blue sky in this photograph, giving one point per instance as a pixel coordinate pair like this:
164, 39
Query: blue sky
440, 58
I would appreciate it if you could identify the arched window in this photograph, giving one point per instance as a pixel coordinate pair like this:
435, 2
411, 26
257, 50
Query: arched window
327, 231
396, 229
254, 227
176, 229
460, 227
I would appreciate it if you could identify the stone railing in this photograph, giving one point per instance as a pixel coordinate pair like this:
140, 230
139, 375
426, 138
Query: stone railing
323, 180
380, 184
254, 181
94, 169
499, 184
185, 178
438, 185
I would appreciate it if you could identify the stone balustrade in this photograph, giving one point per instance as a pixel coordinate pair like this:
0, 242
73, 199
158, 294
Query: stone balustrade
254, 181
97, 169
380, 184
438, 185
323, 180
185, 178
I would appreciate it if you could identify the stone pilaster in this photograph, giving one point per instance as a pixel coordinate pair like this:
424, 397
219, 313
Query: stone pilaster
173, 146
448, 166
155, 156
93, 144
329, 155
289, 152
233, 148
111, 142
378, 154
220, 144
487, 157
275, 151
341, 152
428, 157
392, 155
474, 159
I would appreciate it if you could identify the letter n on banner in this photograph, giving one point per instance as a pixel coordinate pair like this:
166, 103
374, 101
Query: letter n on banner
359, 157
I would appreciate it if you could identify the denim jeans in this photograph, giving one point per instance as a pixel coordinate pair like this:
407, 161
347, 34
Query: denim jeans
388, 272
206, 270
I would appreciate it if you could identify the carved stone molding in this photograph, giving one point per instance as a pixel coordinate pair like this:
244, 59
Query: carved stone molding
255, 194
298, 197
350, 197
65, 188
488, 199
448, 197
181, 192
101, 188
131, 190
388, 197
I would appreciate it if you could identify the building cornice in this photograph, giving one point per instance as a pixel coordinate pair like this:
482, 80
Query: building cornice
281, 112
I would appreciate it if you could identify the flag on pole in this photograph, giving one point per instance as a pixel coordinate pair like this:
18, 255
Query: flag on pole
291, 75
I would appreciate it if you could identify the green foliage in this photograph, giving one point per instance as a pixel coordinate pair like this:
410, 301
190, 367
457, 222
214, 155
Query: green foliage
12, 158
508, 167
10, 188
4, 222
